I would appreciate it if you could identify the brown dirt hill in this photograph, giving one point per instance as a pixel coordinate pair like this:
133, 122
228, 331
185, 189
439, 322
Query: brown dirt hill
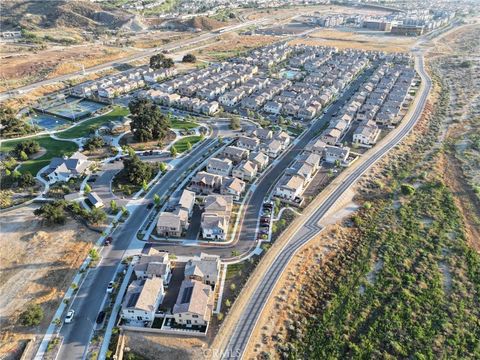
50, 14
199, 22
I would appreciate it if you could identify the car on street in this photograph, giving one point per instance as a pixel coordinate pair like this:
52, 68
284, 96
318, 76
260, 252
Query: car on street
100, 317
110, 287
150, 205
108, 241
69, 317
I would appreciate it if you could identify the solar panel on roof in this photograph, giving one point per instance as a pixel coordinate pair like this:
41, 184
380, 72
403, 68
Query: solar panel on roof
133, 299
187, 295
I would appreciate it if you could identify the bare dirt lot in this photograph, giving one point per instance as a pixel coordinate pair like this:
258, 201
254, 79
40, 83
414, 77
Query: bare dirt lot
37, 264
24, 67
357, 39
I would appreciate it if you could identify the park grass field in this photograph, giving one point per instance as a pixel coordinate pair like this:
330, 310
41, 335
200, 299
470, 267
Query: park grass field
183, 125
182, 144
88, 126
54, 148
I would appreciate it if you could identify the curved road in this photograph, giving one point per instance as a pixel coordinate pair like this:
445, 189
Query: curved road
250, 315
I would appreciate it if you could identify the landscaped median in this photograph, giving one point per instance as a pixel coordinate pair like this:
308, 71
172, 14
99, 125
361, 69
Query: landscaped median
186, 143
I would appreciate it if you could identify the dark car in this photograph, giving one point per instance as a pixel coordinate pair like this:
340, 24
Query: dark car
265, 219
268, 206
100, 317
108, 240
150, 205
265, 224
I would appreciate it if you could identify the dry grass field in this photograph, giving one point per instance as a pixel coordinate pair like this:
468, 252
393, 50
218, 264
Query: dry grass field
358, 40
37, 264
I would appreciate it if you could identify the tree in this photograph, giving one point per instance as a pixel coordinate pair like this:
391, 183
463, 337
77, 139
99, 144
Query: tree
26, 148
159, 61
97, 216
16, 174
156, 199
23, 156
113, 206
228, 303
11, 125
26, 180
407, 189
93, 253
190, 58
32, 316
168, 63
233, 286
235, 123
173, 151
156, 61
144, 185
87, 189
93, 143
189, 146
136, 170
163, 167
53, 213
148, 122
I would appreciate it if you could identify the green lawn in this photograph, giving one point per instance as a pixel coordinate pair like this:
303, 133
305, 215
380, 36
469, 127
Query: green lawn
91, 125
183, 125
55, 148
181, 145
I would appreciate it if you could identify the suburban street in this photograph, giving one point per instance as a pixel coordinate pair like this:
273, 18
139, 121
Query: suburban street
92, 292
310, 227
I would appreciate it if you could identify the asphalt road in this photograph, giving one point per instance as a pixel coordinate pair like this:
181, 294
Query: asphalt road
248, 319
246, 233
92, 292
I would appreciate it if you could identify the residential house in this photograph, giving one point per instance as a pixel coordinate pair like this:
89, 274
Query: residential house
263, 134
187, 201
273, 107
272, 148
194, 304
142, 300
234, 187
205, 183
249, 143
290, 187
63, 169
246, 170
335, 153
204, 268
235, 153
170, 224
261, 159
216, 216
317, 147
221, 167
331, 136
366, 134
154, 264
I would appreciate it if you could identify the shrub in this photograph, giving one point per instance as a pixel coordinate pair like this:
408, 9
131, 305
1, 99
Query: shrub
407, 189
32, 316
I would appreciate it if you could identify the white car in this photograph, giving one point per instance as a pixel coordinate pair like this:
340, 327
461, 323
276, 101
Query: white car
110, 287
69, 317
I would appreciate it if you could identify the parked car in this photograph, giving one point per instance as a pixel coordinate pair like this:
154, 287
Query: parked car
110, 287
100, 317
108, 241
69, 317
268, 205
264, 219
150, 205
265, 224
